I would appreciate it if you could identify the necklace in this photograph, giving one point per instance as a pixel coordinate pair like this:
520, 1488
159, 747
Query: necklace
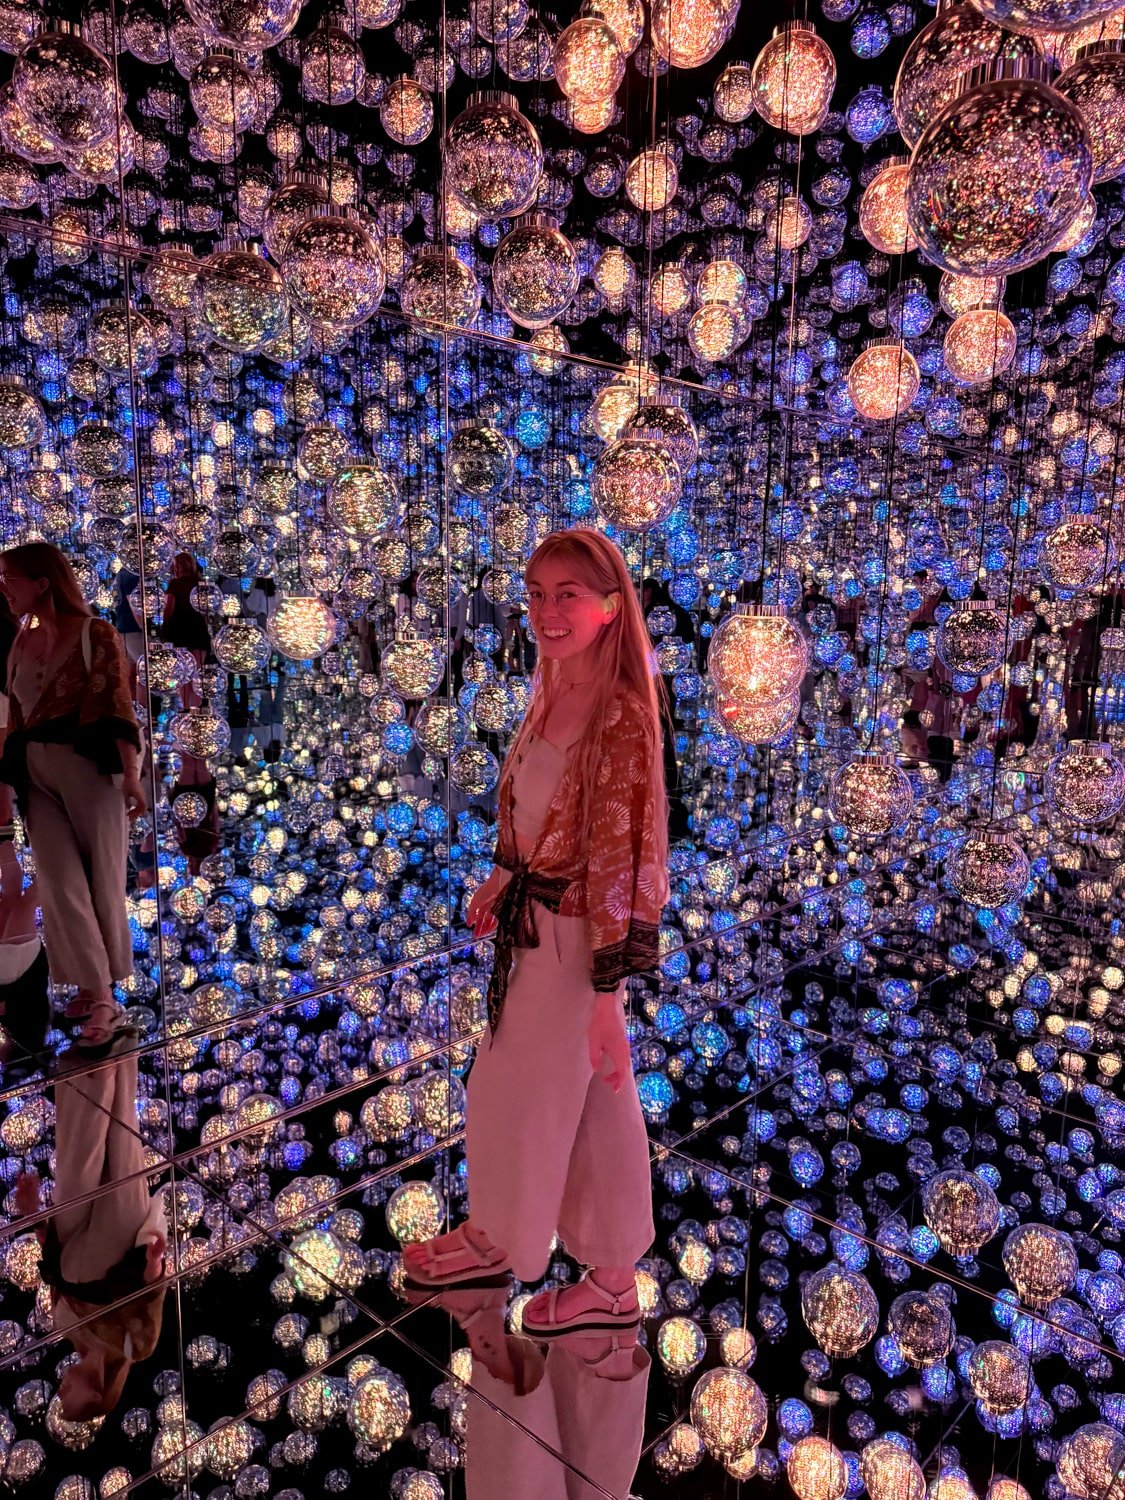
568, 685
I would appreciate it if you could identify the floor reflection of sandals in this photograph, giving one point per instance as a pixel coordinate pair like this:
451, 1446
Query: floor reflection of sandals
617, 1313
106, 1029
515, 1361
492, 1268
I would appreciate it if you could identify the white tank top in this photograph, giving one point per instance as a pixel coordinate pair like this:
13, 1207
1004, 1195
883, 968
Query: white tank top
538, 770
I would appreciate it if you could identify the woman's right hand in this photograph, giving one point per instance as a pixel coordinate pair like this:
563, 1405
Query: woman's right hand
479, 917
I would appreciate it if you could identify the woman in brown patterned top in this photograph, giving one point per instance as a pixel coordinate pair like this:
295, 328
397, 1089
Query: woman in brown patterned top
70, 752
555, 1137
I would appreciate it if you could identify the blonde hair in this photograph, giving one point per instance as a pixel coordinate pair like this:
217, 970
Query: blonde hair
623, 664
34, 560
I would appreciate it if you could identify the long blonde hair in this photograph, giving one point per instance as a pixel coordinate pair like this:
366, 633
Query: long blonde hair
33, 560
623, 663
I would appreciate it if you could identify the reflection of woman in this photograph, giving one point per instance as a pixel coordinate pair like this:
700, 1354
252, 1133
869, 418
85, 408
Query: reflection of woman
71, 754
555, 1136
182, 624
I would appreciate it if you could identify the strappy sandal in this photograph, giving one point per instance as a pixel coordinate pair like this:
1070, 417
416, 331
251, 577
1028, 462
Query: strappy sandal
106, 1028
493, 1268
622, 1312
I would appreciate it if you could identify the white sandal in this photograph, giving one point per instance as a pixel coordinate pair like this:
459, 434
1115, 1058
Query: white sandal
622, 1312
493, 1268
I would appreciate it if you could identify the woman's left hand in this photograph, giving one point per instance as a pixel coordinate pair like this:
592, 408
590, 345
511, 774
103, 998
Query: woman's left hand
607, 1039
136, 802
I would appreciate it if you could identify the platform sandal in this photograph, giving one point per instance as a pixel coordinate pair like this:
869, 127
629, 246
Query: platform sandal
493, 1268
619, 1312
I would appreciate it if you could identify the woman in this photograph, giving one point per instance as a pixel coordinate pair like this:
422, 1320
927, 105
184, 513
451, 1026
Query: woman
555, 1137
182, 625
71, 754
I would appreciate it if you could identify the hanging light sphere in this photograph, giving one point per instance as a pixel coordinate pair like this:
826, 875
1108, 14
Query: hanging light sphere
961, 294
364, 499
1085, 785
222, 92
246, 25
169, 278
615, 276
998, 177
493, 157
793, 78
241, 646
1041, 1262
1041, 17
481, 460
302, 627
883, 380
332, 66
66, 89
1004, 1488
1080, 226
729, 1412
689, 35
872, 796
989, 870
298, 197
722, 281
979, 345
972, 638
816, 1469
200, 732
757, 721
1000, 1376
589, 119
121, 339
535, 272
665, 417
733, 95
413, 666
406, 112
961, 1209
22, 424
757, 654
890, 1473
589, 62
715, 331
1096, 85
99, 450
240, 299
440, 290
788, 225
1089, 1462
332, 270
882, 209
652, 178
840, 1310
922, 1327
636, 482
670, 291
322, 451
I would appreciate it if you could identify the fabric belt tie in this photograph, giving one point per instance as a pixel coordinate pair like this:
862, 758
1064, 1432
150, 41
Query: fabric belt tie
515, 926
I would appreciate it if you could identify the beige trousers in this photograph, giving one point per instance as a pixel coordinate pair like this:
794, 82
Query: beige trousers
551, 1148
79, 834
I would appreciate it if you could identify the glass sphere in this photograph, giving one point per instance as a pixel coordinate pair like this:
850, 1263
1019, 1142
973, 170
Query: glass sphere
615, 276
729, 1412
979, 345
302, 627
99, 450
732, 98
589, 62
961, 1209
816, 1469
922, 1327
322, 451
758, 721
413, 666
1035, 17
636, 482
715, 331
840, 1310
882, 209
480, 459
787, 226
246, 25
1041, 1261
407, 112
493, 158
535, 272
241, 646
332, 66
674, 426
121, 339
200, 732
66, 88
379, 1410
872, 796
439, 290
972, 638
680, 1345
883, 380
588, 119
757, 653
793, 79
989, 870
1096, 84
240, 299
1085, 784
364, 499
295, 201
1000, 1376
474, 770
333, 270
998, 177
545, 344
22, 423
222, 92
652, 178
688, 33
1004, 1488
722, 281
961, 294
1090, 1462
889, 1472
169, 278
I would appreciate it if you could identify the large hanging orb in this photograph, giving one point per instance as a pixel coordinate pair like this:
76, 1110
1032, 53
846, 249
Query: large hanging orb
364, 499
589, 62
759, 721
989, 870
979, 345
729, 1412
1041, 1261
663, 416
972, 638
200, 732
636, 482
871, 796
379, 1410
302, 627
1090, 1462
1000, 1376
1039, 17
793, 78
493, 158
406, 111
1085, 784
222, 92
481, 460
240, 299
688, 33
816, 1469
241, 646
883, 380
1096, 84
998, 177
889, 1472
99, 450
474, 770
961, 1209
66, 88
732, 98
322, 451
922, 1327
652, 178
715, 331
840, 1310
440, 291
121, 340
413, 666
22, 423
246, 25
882, 209
332, 270
961, 294
757, 653
296, 200
332, 66
535, 272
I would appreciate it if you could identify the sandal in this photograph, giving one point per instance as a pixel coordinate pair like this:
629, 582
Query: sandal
493, 1268
622, 1312
105, 1027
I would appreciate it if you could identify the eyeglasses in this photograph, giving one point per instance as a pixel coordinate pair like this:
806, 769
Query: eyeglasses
566, 599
